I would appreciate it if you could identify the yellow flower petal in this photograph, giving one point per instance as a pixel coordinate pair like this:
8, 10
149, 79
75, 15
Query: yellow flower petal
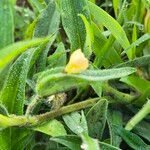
77, 62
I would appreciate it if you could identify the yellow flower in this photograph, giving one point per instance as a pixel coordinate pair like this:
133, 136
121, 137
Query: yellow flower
77, 62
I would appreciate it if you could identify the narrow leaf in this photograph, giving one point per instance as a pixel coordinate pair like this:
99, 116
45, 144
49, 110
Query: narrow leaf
137, 62
13, 93
132, 139
47, 23
6, 23
59, 58
89, 37
111, 24
138, 83
10, 52
72, 23
46, 84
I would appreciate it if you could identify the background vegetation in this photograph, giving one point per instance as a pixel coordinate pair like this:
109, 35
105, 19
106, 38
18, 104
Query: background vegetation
104, 107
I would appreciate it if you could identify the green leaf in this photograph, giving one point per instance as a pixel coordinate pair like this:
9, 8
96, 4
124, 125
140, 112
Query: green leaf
74, 143
72, 23
76, 122
114, 118
37, 5
89, 37
47, 23
96, 119
111, 24
14, 87
137, 62
52, 128
142, 39
138, 83
89, 143
97, 87
71, 141
132, 139
59, 58
14, 90
3, 110
3, 75
10, 52
142, 129
105, 146
21, 137
5, 140
54, 80
6, 23
103, 56
116, 6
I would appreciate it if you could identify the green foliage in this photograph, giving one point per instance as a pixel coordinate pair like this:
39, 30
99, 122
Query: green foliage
96, 119
106, 106
72, 23
53, 128
48, 79
132, 139
6, 23
10, 52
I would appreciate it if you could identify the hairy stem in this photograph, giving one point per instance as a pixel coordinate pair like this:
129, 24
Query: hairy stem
32, 105
13, 120
139, 116
122, 97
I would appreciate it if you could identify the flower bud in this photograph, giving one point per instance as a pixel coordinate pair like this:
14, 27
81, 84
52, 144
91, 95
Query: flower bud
77, 62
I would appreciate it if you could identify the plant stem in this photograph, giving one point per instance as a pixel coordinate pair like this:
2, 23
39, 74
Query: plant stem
13, 120
122, 97
139, 116
32, 105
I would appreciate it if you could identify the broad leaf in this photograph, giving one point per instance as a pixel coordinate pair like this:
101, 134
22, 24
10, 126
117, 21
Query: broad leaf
76, 122
71, 141
96, 119
52, 128
89, 143
114, 118
74, 143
